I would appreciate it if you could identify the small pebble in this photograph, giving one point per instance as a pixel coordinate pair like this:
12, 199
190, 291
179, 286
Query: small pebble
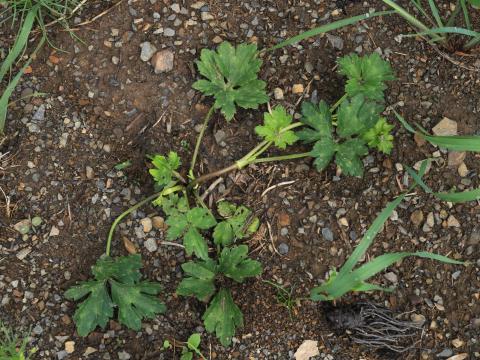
278, 93
70, 346
147, 51
283, 249
162, 61
151, 245
297, 89
146, 224
327, 234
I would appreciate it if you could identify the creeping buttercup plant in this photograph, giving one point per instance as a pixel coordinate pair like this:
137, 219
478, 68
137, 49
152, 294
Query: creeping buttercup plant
344, 132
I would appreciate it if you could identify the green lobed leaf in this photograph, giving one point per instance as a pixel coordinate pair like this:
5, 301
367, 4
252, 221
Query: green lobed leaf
379, 136
236, 226
133, 298
123, 268
323, 152
357, 115
187, 225
319, 122
164, 168
273, 129
223, 234
232, 75
177, 223
136, 301
348, 156
195, 243
222, 317
95, 310
200, 218
235, 264
172, 204
226, 209
201, 280
366, 75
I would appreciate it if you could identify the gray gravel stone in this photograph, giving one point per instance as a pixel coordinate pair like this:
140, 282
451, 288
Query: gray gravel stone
151, 245
283, 249
220, 136
37, 330
39, 114
147, 51
327, 234
123, 355
169, 32
445, 353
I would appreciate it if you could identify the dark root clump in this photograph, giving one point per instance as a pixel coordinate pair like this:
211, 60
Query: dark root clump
373, 326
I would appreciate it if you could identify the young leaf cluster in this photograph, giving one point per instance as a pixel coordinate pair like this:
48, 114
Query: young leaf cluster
222, 316
274, 128
359, 124
116, 284
164, 168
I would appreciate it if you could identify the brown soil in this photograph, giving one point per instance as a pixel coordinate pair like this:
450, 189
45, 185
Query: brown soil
134, 112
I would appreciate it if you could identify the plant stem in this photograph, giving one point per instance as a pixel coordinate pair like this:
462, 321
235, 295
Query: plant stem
281, 158
244, 161
212, 175
199, 138
179, 177
253, 151
199, 201
125, 213
338, 103
247, 160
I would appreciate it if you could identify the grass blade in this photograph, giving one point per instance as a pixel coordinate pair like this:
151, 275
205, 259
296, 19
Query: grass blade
4, 100
453, 197
372, 287
369, 236
405, 124
418, 179
456, 143
465, 14
435, 13
326, 28
6, 96
454, 15
447, 30
474, 42
411, 19
420, 8
459, 197
377, 224
20, 42
382, 262
355, 280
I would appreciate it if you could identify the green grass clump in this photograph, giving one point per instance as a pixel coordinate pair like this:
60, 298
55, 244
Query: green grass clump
434, 27
13, 347
28, 15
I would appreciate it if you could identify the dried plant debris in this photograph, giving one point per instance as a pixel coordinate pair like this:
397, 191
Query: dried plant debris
374, 326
